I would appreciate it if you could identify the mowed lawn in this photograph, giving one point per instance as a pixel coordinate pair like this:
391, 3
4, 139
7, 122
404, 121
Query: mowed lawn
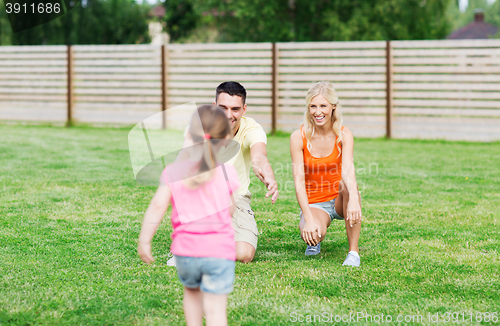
71, 211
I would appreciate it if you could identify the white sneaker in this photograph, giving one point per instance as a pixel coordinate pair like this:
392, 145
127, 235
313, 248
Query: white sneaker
171, 262
352, 260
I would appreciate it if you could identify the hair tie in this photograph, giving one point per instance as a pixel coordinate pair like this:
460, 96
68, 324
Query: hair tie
207, 137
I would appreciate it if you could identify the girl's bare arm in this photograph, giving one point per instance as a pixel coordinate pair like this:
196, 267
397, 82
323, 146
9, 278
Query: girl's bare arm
152, 219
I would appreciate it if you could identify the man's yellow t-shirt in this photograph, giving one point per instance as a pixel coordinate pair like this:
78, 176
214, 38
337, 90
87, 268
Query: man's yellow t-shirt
249, 133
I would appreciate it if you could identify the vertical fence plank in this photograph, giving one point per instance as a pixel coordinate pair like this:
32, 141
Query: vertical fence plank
275, 88
389, 94
70, 99
164, 91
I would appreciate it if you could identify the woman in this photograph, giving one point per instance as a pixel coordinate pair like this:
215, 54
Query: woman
323, 172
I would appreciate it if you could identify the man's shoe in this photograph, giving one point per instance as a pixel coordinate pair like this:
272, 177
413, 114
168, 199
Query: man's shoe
313, 250
352, 260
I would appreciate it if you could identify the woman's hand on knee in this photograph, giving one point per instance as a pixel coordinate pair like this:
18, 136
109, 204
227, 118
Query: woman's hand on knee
311, 233
353, 215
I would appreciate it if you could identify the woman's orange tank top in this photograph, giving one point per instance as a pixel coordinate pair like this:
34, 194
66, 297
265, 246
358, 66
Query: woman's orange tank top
322, 174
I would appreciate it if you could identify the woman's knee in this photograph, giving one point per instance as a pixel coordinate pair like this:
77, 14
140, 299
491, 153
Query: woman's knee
343, 189
323, 233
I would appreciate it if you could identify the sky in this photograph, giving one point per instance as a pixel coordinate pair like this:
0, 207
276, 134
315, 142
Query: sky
153, 1
463, 4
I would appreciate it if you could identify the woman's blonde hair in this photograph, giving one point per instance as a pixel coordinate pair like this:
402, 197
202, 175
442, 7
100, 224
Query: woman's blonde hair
326, 89
208, 127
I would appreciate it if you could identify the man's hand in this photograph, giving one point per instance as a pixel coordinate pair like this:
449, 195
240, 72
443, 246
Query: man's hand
271, 185
263, 170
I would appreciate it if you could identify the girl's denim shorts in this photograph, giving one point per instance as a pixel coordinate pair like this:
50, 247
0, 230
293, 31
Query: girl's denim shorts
212, 275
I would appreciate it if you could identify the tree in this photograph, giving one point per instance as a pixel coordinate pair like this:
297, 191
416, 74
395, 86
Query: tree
324, 20
112, 22
181, 18
388, 20
493, 15
97, 22
5, 34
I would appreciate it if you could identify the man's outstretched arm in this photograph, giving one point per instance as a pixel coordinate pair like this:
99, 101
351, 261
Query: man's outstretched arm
263, 170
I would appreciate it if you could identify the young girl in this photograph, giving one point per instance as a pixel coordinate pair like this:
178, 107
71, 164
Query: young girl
200, 190
323, 172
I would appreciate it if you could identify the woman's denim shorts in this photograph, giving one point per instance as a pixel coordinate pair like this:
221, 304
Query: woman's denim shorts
328, 207
212, 275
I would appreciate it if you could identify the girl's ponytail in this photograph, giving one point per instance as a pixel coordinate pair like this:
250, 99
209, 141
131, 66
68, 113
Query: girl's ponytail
208, 126
208, 153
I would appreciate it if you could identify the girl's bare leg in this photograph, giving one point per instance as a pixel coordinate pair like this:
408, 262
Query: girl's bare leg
214, 306
193, 307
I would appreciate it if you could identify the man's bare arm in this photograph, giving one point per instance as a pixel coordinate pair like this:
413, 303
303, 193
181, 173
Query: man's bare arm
263, 170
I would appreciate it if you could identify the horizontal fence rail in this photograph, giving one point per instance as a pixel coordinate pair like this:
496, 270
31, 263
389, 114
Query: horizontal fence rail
195, 71
33, 83
120, 84
446, 89
357, 71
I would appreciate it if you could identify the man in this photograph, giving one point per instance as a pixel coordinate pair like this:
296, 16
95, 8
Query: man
231, 97
252, 140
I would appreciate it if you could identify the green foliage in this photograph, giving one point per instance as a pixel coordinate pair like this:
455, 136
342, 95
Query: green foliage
71, 213
325, 20
252, 21
113, 22
5, 30
390, 20
493, 15
98, 22
181, 18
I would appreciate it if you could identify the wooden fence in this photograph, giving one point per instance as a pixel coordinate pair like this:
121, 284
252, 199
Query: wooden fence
403, 89
357, 70
195, 71
33, 83
446, 89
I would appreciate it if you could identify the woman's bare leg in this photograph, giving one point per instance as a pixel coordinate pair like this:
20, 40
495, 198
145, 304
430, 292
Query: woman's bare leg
341, 208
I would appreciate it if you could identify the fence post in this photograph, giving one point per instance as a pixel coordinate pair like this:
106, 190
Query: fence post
388, 76
69, 119
164, 90
275, 88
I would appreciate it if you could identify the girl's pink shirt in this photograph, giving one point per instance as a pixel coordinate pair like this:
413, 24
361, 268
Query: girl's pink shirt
200, 218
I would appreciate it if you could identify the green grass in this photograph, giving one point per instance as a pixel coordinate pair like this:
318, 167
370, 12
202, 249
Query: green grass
71, 211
